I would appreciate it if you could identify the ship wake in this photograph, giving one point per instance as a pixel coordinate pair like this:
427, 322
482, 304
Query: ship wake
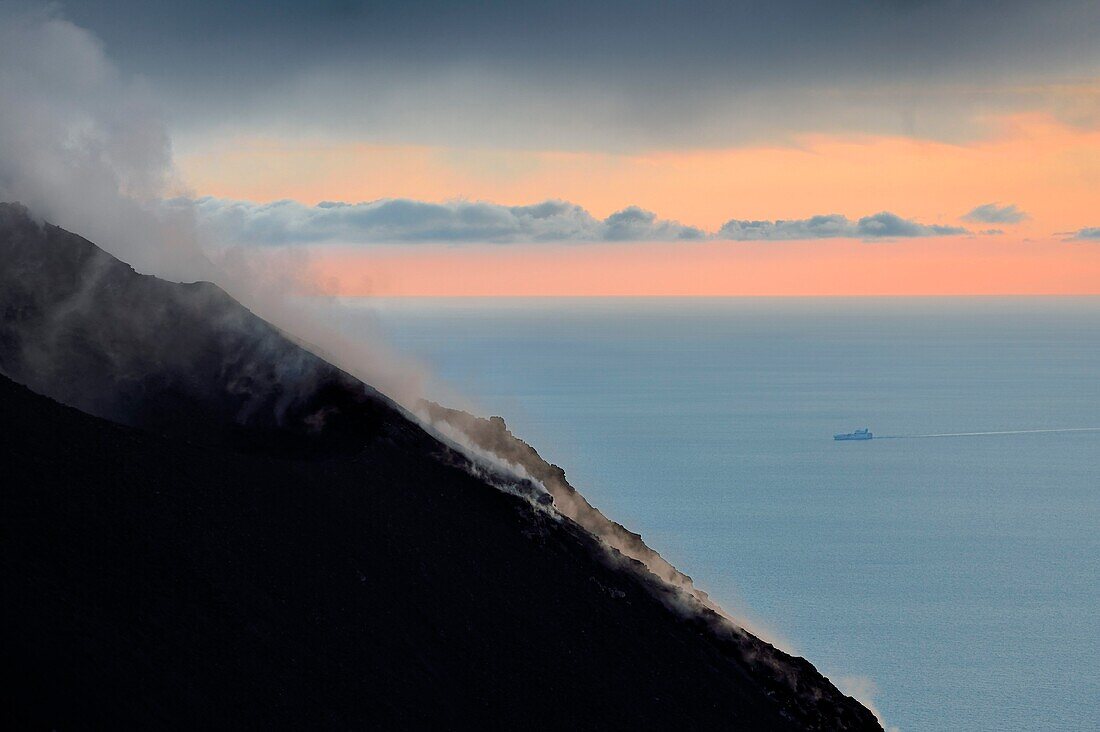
983, 434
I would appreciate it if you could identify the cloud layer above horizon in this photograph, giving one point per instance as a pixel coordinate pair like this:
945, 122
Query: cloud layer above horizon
883, 225
399, 220
393, 221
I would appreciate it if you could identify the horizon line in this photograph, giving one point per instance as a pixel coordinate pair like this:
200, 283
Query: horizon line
674, 296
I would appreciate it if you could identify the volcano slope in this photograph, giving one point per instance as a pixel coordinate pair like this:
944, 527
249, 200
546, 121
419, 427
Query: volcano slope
223, 530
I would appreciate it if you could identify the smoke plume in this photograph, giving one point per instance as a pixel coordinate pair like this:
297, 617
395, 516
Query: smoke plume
86, 149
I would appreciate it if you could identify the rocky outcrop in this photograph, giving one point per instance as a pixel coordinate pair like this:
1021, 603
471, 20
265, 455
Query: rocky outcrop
493, 436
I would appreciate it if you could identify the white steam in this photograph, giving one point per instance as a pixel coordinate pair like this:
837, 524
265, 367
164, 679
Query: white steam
85, 148
503, 474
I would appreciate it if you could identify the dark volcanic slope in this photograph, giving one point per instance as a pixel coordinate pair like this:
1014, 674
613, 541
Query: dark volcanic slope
184, 359
251, 563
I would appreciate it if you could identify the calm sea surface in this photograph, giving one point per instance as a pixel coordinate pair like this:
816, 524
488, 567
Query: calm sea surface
958, 575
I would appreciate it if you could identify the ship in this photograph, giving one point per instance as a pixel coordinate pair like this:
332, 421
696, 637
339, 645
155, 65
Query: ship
863, 434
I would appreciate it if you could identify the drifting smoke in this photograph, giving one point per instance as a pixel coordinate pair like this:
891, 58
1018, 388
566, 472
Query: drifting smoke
86, 149
487, 465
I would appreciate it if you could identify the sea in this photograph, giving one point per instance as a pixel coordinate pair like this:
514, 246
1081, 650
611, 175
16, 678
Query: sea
953, 582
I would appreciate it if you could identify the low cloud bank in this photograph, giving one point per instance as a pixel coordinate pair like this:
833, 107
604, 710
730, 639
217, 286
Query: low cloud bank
399, 220
884, 225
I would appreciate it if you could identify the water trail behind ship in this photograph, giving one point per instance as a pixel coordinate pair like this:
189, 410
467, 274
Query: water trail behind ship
981, 434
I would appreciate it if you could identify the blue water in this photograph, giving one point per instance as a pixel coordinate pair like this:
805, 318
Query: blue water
961, 576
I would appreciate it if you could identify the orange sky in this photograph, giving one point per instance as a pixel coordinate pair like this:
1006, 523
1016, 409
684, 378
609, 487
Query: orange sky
1048, 169
947, 266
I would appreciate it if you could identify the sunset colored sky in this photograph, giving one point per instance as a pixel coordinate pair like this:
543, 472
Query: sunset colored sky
1052, 170
1049, 170
703, 148
948, 266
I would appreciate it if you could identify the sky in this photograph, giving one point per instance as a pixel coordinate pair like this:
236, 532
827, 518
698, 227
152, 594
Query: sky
791, 147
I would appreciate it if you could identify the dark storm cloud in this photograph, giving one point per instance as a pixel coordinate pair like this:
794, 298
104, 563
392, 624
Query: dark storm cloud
991, 213
581, 74
884, 225
701, 36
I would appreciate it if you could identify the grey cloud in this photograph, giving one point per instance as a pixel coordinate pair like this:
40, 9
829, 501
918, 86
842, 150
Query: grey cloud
636, 224
884, 225
404, 220
817, 227
657, 42
991, 213
1089, 233
398, 220
888, 225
